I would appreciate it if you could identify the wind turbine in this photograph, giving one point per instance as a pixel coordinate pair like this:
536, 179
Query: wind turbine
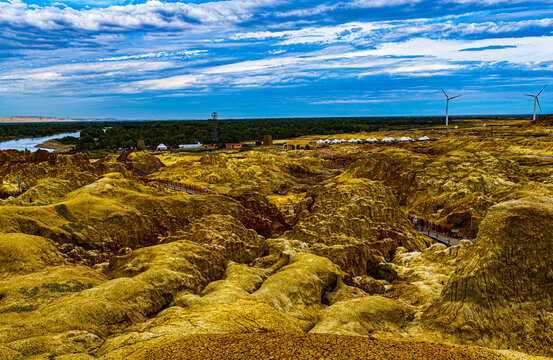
536, 100
447, 106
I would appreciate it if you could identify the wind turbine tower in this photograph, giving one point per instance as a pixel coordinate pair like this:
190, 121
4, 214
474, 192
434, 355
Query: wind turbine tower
536, 100
447, 106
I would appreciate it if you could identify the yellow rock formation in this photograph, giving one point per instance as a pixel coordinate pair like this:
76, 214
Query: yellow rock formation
303, 250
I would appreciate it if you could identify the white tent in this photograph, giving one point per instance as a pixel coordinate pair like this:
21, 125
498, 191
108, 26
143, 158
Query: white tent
336, 141
359, 141
327, 141
351, 141
343, 141
320, 142
424, 138
388, 139
161, 146
405, 139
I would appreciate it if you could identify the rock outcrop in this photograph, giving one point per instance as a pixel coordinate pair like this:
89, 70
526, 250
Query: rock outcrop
114, 213
144, 164
501, 293
21, 253
369, 315
143, 283
32, 167
225, 234
454, 188
253, 171
356, 223
97, 264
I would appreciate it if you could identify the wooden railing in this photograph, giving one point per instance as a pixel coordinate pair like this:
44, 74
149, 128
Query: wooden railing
175, 185
441, 229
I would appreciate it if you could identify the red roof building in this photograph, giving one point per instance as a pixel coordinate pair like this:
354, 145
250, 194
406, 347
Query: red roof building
233, 146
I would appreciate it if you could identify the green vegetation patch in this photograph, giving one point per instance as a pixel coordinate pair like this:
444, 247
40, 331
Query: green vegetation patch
66, 287
64, 212
18, 308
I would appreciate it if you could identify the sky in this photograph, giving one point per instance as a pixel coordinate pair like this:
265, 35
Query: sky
136, 59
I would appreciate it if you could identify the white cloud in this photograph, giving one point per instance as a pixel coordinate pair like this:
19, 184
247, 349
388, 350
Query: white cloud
158, 54
416, 69
152, 60
99, 72
152, 14
349, 101
387, 31
317, 34
417, 57
517, 51
171, 83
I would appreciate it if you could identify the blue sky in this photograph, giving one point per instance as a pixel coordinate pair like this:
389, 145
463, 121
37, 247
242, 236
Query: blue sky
270, 58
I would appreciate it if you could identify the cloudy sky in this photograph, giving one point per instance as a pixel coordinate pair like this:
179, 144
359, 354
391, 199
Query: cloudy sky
268, 58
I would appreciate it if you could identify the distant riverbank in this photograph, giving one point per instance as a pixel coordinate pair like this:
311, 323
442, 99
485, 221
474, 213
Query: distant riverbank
33, 144
54, 145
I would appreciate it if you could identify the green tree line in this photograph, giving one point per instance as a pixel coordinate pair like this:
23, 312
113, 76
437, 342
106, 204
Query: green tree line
174, 133
111, 135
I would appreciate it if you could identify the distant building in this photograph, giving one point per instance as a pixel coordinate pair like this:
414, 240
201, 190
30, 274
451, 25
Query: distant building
161, 147
209, 147
297, 145
233, 146
267, 140
196, 145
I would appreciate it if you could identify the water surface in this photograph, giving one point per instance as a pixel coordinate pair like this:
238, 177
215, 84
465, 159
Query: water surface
31, 143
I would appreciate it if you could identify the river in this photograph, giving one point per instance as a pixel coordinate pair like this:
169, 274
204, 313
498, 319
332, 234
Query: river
31, 143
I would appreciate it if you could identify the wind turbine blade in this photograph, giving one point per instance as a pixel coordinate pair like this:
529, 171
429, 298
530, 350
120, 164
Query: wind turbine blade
529, 95
538, 100
542, 89
455, 97
445, 93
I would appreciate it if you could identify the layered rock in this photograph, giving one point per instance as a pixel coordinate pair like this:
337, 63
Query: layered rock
346, 261
271, 221
451, 187
284, 298
225, 234
32, 167
368, 315
144, 163
21, 253
116, 213
501, 293
298, 288
143, 283
357, 223
251, 171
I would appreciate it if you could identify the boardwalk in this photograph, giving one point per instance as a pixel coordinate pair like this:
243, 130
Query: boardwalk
444, 239
189, 191
175, 185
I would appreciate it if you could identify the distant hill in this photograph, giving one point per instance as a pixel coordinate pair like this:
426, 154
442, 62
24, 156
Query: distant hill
43, 119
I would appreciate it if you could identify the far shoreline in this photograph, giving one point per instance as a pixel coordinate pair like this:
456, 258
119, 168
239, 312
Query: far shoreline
54, 145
